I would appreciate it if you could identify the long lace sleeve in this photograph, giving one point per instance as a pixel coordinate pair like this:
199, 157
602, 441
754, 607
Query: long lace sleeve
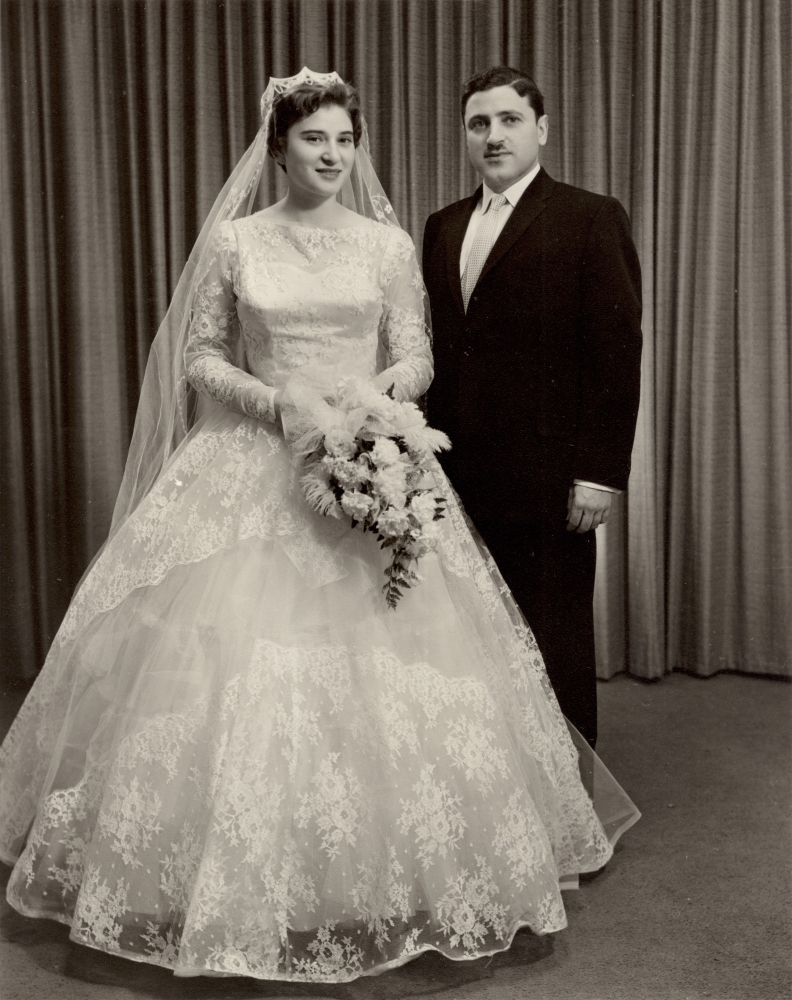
214, 336
403, 329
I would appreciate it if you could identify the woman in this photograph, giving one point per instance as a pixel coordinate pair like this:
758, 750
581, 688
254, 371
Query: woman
237, 759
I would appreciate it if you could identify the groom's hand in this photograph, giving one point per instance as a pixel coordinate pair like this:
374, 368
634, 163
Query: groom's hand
588, 508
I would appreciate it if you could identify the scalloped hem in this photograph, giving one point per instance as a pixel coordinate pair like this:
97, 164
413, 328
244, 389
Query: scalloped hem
566, 883
378, 970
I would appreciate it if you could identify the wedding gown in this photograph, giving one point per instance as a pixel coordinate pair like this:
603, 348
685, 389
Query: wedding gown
237, 759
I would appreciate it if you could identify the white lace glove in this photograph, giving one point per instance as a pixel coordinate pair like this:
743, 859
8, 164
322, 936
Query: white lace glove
306, 416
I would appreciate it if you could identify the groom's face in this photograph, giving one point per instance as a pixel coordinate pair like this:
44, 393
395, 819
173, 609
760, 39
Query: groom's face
503, 136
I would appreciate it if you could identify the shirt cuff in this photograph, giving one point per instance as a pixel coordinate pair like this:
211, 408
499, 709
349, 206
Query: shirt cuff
596, 486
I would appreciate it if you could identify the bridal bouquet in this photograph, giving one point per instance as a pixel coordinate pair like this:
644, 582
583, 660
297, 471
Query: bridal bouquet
367, 461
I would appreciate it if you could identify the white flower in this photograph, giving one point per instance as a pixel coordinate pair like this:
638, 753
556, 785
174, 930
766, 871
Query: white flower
427, 539
423, 506
385, 452
348, 474
391, 484
356, 505
340, 443
393, 522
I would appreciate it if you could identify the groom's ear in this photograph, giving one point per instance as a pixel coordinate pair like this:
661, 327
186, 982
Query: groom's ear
542, 127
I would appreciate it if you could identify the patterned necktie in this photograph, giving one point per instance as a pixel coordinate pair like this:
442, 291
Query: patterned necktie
482, 244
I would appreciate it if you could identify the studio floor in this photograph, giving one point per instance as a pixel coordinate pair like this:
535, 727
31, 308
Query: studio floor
695, 904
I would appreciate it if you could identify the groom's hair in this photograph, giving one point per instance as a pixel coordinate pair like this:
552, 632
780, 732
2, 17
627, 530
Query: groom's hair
504, 76
303, 101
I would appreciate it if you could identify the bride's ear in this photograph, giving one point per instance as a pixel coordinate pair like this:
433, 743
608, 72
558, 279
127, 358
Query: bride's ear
278, 156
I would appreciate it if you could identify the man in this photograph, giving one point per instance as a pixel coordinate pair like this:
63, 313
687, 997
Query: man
536, 306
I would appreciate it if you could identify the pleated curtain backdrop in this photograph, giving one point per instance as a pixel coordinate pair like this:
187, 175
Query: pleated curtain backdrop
121, 120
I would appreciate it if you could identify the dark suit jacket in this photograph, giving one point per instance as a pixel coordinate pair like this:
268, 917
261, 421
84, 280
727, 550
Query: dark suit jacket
538, 384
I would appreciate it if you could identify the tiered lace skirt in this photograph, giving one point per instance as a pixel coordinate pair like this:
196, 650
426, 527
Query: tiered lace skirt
238, 760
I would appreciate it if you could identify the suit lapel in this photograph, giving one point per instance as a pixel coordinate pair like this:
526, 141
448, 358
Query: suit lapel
525, 211
454, 239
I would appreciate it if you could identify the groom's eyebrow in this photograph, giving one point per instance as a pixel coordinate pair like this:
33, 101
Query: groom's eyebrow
506, 113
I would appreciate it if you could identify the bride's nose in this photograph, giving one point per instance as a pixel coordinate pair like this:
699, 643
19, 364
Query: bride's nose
330, 152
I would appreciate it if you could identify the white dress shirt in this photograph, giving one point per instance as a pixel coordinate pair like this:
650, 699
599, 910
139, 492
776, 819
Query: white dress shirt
512, 196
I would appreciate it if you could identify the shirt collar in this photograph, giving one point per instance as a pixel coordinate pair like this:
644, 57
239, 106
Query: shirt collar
511, 194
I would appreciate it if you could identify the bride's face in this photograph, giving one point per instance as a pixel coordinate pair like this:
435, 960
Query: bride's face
320, 152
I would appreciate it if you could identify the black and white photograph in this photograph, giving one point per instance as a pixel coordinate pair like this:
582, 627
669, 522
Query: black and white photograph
396, 499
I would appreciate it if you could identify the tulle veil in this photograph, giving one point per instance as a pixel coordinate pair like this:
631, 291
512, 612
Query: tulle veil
168, 404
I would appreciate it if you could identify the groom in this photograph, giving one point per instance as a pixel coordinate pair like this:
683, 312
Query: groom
535, 291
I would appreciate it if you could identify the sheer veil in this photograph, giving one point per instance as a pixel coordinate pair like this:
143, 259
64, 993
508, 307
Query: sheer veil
168, 409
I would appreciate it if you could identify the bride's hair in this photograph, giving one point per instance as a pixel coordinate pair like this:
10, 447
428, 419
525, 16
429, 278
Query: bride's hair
303, 101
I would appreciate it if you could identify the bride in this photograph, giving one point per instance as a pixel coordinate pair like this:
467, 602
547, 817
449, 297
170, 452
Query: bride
237, 759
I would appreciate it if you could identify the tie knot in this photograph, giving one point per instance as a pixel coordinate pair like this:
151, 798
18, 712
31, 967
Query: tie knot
497, 203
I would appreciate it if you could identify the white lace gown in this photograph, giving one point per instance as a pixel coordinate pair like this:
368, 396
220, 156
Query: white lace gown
237, 759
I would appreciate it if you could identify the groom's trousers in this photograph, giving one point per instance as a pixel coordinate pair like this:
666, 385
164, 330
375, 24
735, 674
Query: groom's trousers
550, 572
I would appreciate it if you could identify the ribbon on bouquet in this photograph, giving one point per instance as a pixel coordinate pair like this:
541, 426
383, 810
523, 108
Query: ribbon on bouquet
307, 417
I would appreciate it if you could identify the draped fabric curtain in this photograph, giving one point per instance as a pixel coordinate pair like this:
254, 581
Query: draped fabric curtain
121, 119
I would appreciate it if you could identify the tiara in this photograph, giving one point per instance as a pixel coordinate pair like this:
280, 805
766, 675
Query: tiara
280, 85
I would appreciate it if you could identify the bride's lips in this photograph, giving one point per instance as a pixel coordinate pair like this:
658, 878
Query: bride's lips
328, 172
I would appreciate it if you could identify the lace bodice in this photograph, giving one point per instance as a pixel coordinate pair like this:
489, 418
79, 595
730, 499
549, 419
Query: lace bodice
277, 302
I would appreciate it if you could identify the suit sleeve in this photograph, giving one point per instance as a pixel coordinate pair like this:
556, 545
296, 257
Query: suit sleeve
430, 235
611, 350
438, 398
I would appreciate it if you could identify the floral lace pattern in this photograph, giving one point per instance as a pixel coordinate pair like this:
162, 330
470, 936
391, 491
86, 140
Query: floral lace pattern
238, 748
380, 898
236, 759
100, 908
468, 912
359, 295
433, 816
522, 839
336, 807
228, 483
